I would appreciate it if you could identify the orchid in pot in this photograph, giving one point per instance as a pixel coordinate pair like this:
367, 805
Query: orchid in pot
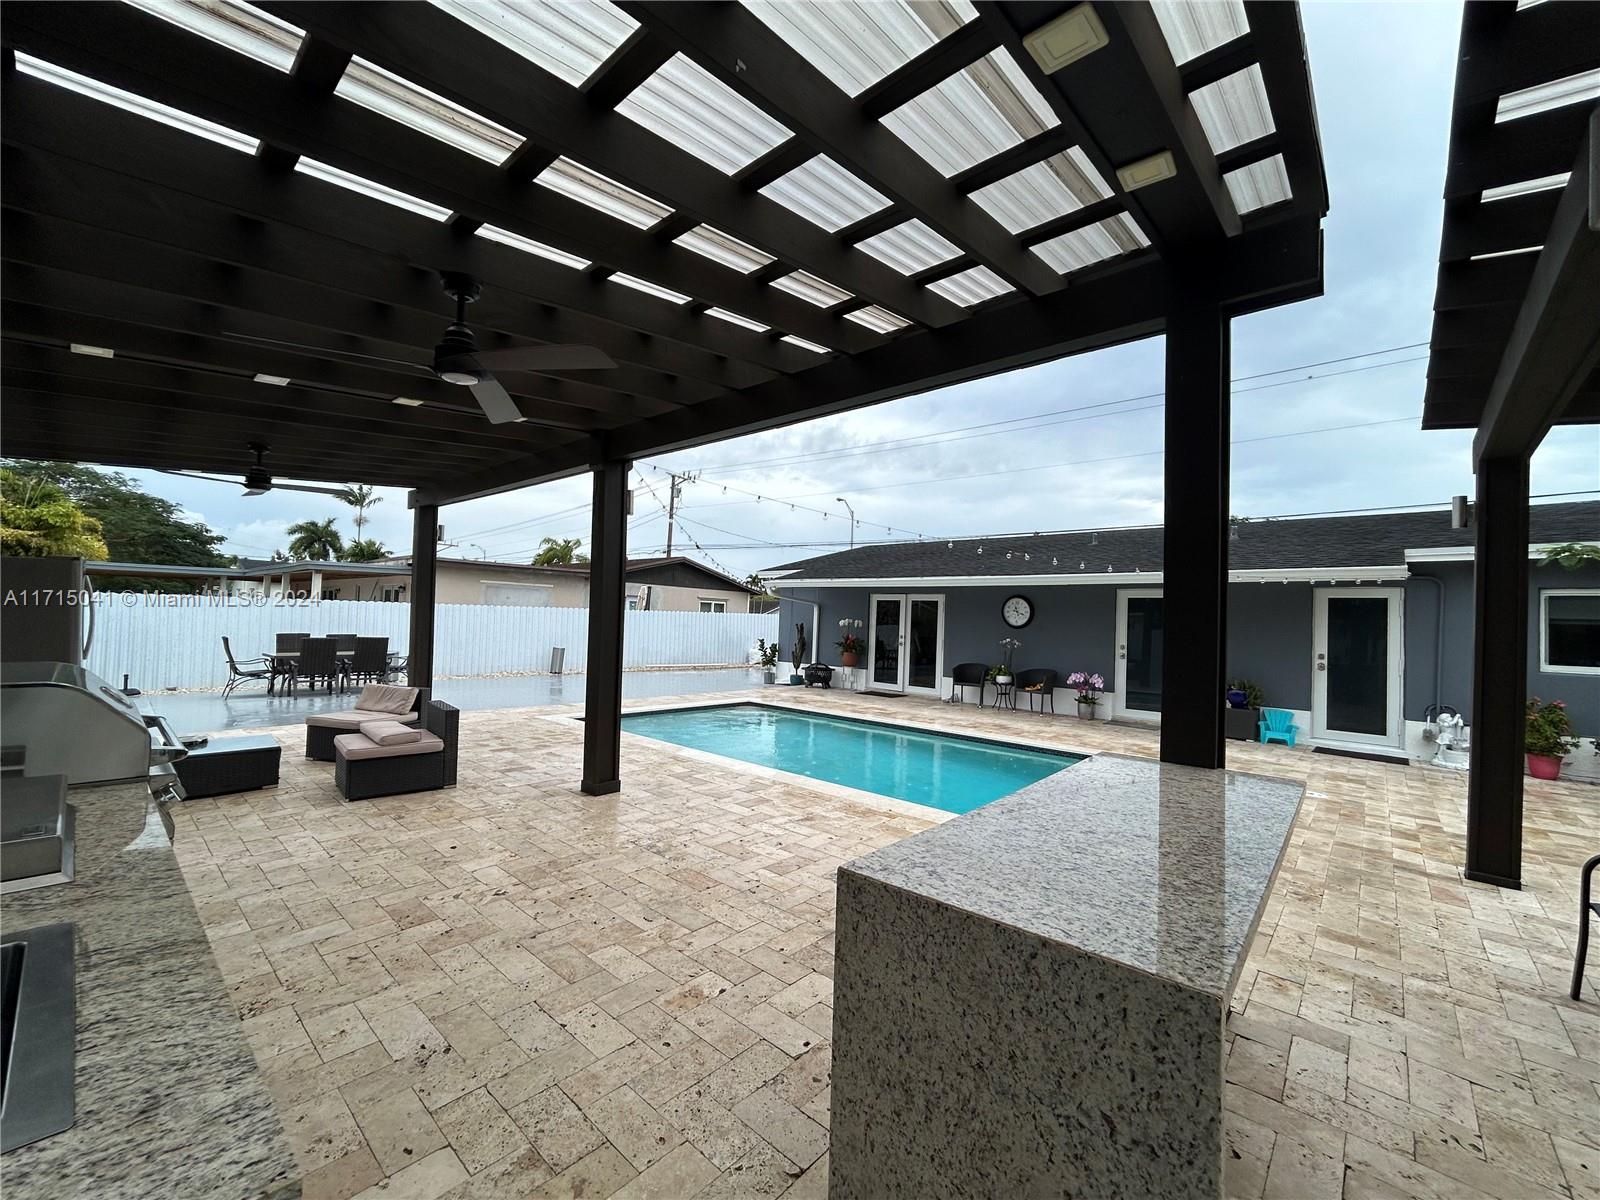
1547, 737
1088, 688
1001, 674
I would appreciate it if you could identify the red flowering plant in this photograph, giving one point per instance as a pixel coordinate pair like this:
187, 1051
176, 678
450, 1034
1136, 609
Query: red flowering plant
1549, 730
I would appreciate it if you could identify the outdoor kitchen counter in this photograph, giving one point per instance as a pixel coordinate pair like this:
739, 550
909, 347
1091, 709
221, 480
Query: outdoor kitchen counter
169, 1100
1030, 999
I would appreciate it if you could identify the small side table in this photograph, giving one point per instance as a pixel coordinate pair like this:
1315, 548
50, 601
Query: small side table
225, 765
1005, 694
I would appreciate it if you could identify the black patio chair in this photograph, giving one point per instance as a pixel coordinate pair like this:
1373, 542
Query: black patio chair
347, 641
319, 659
1040, 682
1587, 907
243, 672
965, 675
371, 661
289, 643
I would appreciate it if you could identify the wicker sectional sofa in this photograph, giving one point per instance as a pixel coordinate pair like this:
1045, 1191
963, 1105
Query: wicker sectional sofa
323, 728
363, 769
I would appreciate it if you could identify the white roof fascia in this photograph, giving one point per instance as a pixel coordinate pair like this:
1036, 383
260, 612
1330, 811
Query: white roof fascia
1124, 578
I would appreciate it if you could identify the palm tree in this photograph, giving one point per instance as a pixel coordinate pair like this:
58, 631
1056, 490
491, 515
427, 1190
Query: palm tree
364, 550
556, 553
318, 541
360, 496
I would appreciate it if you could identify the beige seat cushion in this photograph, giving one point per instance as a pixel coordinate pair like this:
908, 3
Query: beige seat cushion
353, 746
390, 733
355, 718
387, 698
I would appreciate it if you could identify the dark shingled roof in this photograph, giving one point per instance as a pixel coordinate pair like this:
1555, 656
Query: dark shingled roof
1374, 540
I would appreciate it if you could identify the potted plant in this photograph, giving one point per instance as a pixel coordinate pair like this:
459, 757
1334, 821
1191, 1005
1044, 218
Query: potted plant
1243, 714
1547, 737
1088, 688
767, 655
1001, 674
851, 647
797, 654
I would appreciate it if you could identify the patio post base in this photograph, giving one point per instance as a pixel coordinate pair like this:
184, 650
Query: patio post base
600, 787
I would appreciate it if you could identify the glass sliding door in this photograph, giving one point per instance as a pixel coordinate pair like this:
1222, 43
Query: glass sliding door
1140, 639
922, 644
905, 646
886, 646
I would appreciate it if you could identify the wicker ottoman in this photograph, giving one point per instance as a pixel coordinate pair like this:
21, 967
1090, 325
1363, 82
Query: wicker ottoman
225, 765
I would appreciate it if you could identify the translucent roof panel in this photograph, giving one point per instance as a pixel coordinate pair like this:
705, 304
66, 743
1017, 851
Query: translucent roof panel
569, 39
648, 288
809, 288
723, 248
528, 246
734, 318
825, 194
1543, 97
1259, 184
910, 247
367, 187
1233, 110
387, 94
176, 118
1526, 188
1192, 27
241, 27
698, 113
879, 320
804, 345
972, 287
856, 43
1094, 243
973, 115
1060, 184
597, 191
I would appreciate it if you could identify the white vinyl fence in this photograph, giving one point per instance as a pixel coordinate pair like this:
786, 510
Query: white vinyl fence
176, 641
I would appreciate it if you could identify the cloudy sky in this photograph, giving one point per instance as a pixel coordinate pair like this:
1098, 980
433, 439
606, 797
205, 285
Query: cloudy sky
1078, 443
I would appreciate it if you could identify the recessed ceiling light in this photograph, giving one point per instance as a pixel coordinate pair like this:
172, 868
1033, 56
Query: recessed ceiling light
1075, 34
275, 380
408, 401
1147, 171
92, 351
804, 345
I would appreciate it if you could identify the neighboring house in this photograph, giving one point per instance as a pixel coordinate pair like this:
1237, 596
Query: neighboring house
1357, 624
674, 584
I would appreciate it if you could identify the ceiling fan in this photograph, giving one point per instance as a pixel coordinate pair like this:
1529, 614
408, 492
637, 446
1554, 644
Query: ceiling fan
457, 359
257, 480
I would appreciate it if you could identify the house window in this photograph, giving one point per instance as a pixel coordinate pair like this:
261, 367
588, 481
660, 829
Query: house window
633, 604
717, 606
1569, 631
330, 593
396, 592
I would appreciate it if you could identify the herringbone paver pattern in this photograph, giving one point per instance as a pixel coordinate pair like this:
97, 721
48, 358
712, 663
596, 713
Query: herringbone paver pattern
513, 990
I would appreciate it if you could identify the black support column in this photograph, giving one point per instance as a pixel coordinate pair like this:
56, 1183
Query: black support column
424, 588
1499, 672
608, 566
1195, 542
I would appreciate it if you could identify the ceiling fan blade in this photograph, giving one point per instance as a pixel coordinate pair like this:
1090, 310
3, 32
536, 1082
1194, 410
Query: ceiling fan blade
547, 358
326, 352
197, 475
495, 401
306, 487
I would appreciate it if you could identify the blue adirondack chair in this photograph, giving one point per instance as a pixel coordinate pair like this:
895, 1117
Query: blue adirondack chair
1277, 725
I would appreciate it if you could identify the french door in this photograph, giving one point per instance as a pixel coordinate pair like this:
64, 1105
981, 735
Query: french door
905, 644
1139, 646
1357, 644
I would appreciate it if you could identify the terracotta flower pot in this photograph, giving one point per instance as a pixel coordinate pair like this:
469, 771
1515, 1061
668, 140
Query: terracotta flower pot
1544, 766
847, 660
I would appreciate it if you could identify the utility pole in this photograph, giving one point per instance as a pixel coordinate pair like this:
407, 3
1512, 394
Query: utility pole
673, 492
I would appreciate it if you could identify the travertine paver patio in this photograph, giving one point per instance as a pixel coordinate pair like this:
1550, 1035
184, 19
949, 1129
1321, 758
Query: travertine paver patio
510, 989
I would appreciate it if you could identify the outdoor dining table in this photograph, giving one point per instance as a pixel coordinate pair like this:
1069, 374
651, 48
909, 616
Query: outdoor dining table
280, 660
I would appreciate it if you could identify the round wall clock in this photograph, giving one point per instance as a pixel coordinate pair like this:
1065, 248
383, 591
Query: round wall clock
1017, 611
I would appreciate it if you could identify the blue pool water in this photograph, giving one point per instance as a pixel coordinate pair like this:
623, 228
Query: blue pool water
950, 773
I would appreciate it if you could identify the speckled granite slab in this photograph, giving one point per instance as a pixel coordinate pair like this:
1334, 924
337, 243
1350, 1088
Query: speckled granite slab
169, 1100
1029, 1000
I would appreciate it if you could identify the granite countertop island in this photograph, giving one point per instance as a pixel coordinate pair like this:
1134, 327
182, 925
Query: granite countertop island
169, 1100
1030, 999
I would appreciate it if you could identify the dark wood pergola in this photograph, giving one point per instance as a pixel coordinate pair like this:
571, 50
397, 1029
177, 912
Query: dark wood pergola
245, 300
1516, 341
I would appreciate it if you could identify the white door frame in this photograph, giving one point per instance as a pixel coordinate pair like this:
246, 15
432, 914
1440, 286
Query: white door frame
1395, 735
902, 683
1120, 684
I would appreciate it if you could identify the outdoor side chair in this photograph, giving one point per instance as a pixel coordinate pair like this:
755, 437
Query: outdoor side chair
346, 641
371, 661
289, 643
1040, 682
1587, 907
319, 659
965, 675
243, 672
1277, 725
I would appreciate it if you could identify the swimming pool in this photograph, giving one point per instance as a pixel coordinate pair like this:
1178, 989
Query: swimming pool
942, 771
